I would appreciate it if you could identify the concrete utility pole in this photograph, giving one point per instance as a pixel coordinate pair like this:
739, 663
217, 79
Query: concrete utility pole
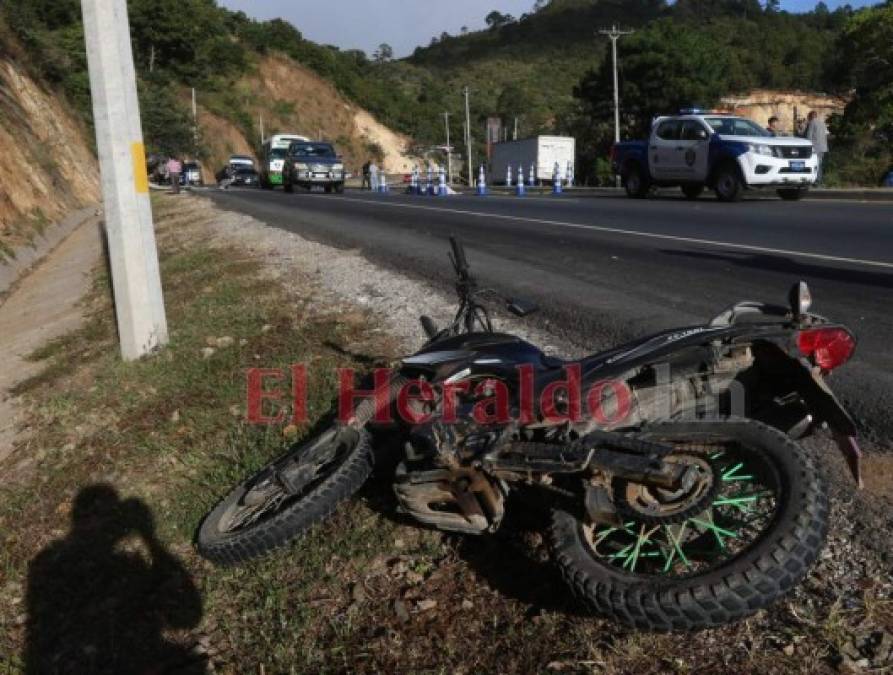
615, 35
446, 124
133, 256
468, 140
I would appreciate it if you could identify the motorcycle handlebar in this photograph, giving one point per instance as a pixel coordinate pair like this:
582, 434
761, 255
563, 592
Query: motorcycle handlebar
459, 260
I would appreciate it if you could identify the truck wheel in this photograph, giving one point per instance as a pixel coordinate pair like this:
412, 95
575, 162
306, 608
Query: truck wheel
727, 184
339, 188
792, 194
692, 191
328, 189
288, 186
636, 184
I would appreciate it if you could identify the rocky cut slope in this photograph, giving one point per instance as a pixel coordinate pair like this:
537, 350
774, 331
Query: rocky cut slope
48, 167
291, 98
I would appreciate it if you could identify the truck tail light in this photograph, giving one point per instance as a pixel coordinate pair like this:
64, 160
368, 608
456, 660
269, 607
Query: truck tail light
828, 348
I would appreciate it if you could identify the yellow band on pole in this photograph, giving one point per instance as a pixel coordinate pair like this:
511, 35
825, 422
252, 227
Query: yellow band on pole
140, 177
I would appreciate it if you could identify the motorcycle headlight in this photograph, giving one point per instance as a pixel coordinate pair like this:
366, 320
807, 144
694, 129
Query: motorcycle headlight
760, 149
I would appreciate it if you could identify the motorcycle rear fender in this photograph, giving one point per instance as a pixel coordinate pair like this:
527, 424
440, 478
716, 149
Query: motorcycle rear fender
798, 374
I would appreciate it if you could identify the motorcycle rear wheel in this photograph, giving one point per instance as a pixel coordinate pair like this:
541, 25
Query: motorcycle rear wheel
754, 543
260, 514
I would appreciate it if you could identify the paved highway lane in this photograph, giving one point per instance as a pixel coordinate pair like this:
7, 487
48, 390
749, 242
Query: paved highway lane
606, 269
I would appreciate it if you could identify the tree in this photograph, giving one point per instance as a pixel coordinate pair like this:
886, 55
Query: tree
664, 67
496, 19
384, 53
167, 125
864, 134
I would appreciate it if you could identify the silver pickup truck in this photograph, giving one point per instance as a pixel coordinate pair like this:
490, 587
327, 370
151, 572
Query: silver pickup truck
309, 164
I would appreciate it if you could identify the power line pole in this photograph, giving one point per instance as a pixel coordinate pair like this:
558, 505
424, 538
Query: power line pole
194, 125
468, 140
446, 123
615, 35
133, 255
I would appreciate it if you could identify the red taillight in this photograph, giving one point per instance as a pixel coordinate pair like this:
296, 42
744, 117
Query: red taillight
828, 347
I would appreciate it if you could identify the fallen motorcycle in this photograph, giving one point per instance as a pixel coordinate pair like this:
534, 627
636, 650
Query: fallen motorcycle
680, 499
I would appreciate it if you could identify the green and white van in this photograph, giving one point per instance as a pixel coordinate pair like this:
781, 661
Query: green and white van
273, 158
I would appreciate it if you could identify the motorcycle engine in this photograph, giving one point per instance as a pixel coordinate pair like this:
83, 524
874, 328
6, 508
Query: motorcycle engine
438, 484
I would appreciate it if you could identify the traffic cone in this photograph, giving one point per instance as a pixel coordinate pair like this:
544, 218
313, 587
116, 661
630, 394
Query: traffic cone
532, 175
570, 173
482, 182
520, 188
443, 186
508, 176
556, 180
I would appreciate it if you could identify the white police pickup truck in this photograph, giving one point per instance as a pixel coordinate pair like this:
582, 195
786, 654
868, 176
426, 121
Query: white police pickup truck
723, 152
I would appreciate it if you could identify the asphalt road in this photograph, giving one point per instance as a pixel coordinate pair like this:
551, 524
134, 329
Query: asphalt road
606, 269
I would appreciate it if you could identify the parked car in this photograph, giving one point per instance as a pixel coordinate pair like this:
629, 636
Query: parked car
310, 164
192, 174
723, 152
241, 160
245, 176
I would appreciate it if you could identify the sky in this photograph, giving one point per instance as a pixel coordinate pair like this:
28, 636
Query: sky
403, 24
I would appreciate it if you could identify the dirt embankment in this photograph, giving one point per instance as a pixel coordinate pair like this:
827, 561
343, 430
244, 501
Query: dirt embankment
48, 167
791, 107
293, 99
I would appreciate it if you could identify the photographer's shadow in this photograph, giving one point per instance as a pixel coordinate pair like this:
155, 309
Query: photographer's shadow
100, 600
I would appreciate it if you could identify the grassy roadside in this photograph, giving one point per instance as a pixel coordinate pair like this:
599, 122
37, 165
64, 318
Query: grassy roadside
365, 592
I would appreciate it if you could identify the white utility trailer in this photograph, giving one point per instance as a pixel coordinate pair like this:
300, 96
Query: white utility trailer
540, 151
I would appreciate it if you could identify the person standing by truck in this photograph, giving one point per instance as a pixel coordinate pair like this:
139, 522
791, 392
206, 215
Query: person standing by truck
817, 134
367, 183
174, 169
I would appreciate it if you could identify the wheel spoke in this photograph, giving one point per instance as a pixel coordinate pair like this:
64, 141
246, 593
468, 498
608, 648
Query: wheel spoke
734, 517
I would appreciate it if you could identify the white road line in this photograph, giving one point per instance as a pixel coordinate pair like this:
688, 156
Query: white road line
630, 233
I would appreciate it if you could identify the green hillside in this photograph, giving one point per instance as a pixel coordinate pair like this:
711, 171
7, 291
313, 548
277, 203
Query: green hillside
551, 68
548, 68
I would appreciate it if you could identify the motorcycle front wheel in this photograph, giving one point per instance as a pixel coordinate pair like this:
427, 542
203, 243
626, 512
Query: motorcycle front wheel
664, 568
287, 497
